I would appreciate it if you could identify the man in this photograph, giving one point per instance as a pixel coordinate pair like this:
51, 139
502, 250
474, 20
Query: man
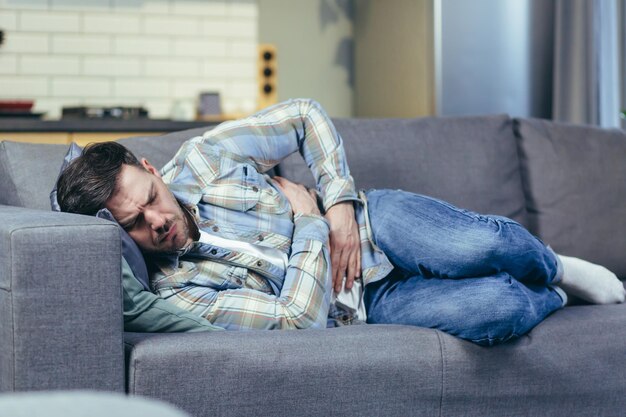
249, 252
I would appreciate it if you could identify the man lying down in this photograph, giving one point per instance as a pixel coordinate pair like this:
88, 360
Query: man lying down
242, 250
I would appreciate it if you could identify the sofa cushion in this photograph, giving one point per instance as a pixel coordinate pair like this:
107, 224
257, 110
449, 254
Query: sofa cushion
28, 172
385, 369
73, 152
575, 184
471, 162
160, 149
571, 364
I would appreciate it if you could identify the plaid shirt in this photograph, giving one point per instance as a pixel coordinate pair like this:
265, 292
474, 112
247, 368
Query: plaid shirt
219, 177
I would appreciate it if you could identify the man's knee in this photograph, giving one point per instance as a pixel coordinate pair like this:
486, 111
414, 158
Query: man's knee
506, 313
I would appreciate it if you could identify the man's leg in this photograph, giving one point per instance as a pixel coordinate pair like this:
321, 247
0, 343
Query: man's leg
485, 310
497, 276
434, 239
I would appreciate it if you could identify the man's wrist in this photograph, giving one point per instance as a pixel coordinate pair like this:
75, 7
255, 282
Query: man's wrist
310, 226
341, 205
338, 190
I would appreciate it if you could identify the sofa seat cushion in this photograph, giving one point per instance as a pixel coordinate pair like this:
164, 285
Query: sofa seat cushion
471, 162
575, 182
349, 371
572, 364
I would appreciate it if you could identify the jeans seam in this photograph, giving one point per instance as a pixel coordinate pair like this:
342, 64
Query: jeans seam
442, 351
468, 213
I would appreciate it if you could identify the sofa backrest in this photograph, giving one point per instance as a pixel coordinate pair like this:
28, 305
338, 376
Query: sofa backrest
567, 183
469, 161
28, 172
575, 187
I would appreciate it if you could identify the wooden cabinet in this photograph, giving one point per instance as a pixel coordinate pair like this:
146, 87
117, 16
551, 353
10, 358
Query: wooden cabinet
36, 137
65, 138
84, 131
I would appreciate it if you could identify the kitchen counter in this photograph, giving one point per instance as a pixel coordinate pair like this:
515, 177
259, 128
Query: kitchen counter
83, 131
97, 125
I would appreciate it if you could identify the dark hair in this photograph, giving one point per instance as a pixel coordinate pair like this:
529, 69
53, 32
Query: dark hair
90, 180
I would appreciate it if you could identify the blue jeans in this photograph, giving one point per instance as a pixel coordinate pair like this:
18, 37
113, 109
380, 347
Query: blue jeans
481, 278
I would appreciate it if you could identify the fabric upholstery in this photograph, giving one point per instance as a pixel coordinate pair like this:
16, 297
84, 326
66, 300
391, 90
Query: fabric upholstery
160, 149
386, 370
469, 161
73, 152
28, 172
569, 365
61, 301
575, 184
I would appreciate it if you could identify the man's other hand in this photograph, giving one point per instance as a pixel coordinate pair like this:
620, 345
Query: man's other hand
345, 244
301, 200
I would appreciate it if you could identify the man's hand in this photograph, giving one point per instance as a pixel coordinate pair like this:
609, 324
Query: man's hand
345, 244
301, 200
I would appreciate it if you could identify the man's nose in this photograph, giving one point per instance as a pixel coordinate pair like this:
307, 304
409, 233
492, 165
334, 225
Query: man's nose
155, 220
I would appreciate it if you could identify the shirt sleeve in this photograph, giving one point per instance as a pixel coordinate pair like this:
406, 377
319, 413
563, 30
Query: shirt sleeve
145, 312
304, 299
268, 137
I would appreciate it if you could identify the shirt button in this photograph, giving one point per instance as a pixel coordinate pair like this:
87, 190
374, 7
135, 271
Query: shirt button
213, 251
255, 189
215, 228
261, 238
239, 282
259, 263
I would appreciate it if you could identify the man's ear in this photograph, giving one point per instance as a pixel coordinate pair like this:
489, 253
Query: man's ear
149, 167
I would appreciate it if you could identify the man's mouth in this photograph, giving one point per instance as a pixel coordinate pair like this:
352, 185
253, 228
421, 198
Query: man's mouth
171, 235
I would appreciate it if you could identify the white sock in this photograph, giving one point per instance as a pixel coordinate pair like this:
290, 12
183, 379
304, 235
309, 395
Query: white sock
591, 282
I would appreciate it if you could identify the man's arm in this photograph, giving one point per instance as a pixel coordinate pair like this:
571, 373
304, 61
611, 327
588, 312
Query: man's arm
268, 137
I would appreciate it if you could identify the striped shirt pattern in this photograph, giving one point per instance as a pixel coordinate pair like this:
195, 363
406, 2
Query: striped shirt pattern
220, 178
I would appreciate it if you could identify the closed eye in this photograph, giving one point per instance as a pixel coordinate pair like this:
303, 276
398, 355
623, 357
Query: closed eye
151, 198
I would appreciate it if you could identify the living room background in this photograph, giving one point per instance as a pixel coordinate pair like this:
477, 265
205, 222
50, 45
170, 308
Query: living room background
359, 58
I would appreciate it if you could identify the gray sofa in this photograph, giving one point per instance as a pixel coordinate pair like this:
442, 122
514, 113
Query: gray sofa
61, 308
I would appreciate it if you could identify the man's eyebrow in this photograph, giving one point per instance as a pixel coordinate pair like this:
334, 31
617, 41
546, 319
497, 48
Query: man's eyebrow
150, 194
148, 199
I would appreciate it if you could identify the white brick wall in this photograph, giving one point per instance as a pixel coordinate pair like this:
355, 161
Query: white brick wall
154, 53
8, 64
49, 65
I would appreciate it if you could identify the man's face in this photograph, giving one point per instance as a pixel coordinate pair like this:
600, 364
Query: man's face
143, 205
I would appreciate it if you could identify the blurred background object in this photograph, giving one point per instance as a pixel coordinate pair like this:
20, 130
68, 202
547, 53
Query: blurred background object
267, 76
209, 105
561, 59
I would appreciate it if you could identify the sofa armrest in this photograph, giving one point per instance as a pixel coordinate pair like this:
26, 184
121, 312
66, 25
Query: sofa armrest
61, 324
